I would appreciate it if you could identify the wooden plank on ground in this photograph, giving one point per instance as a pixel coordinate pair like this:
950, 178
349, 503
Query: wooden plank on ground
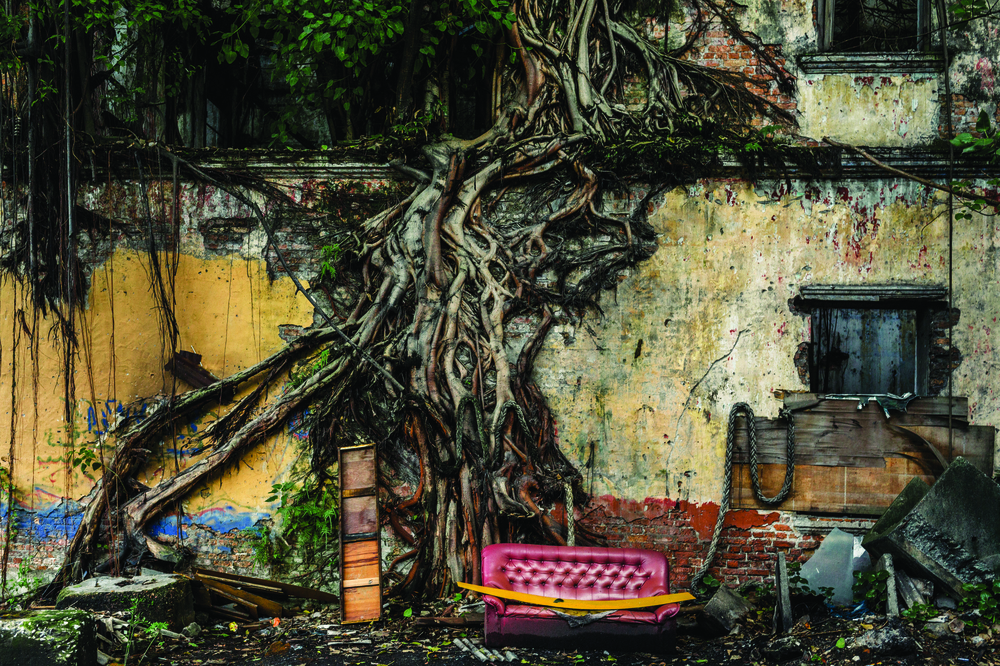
287, 588
269, 607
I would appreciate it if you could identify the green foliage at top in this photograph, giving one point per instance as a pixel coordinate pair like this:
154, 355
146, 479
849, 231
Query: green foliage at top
344, 56
347, 60
965, 10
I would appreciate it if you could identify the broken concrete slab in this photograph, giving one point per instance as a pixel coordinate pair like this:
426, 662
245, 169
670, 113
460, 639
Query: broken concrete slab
48, 638
724, 611
162, 598
909, 590
949, 533
891, 594
890, 640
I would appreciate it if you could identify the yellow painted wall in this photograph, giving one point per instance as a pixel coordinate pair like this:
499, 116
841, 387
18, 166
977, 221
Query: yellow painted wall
227, 310
711, 311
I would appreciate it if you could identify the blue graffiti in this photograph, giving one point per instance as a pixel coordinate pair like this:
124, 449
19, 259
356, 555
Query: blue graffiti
99, 421
297, 425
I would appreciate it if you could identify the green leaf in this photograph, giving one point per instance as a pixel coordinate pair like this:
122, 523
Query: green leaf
841, 643
408, 612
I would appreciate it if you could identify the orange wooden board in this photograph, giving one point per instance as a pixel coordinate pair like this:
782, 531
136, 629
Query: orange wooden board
865, 491
360, 559
363, 603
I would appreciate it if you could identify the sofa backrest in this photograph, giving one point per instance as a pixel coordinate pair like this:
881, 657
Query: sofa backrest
576, 573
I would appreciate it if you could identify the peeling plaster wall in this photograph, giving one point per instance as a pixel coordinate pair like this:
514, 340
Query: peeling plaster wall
870, 109
642, 397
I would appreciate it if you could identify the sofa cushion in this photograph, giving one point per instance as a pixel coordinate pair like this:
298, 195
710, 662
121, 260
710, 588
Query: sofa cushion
636, 617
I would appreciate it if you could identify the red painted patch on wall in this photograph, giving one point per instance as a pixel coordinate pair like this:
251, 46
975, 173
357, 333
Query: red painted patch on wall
703, 517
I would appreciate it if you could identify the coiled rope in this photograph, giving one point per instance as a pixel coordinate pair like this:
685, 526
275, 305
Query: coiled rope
727, 484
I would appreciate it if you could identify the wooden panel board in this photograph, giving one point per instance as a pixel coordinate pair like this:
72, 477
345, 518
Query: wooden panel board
360, 515
864, 491
361, 560
856, 461
358, 468
360, 557
365, 603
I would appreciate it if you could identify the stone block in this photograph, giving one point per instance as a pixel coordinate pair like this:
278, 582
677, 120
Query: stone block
725, 610
949, 533
48, 638
161, 598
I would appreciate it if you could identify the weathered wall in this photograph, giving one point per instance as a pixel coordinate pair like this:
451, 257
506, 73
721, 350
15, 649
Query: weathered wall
642, 395
706, 322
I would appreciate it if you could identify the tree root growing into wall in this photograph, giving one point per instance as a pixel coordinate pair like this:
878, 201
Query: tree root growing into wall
444, 272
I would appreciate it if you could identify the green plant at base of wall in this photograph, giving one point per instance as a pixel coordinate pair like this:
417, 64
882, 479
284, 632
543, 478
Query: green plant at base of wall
871, 587
982, 599
306, 530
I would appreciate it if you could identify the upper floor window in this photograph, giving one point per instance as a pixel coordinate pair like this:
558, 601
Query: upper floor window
874, 25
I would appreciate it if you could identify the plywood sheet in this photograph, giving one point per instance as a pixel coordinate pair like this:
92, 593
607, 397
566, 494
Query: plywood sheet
358, 468
856, 461
360, 515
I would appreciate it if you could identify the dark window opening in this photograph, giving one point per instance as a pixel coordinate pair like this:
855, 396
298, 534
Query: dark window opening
870, 350
874, 25
877, 339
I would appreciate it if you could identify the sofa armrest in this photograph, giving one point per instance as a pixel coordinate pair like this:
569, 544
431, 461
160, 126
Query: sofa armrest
498, 604
666, 612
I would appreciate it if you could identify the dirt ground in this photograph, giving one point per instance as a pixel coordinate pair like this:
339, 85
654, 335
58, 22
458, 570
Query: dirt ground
316, 638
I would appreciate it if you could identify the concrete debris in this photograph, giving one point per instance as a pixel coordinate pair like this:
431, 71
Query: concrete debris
783, 620
892, 597
891, 640
940, 630
724, 611
161, 598
783, 649
949, 533
909, 590
483, 653
48, 638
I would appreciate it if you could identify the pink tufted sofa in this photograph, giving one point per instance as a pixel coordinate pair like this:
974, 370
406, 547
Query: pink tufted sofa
577, 573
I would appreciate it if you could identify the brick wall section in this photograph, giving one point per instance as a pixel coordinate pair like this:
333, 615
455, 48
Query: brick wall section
748, 546
718, 49
964, 115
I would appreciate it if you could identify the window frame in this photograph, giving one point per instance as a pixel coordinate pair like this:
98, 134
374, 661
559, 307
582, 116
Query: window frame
825, 10
925, 301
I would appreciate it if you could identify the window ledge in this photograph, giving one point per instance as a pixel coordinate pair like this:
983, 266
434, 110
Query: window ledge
851, 63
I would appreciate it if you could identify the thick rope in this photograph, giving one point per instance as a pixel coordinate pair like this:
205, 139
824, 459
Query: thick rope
498, 431
727, 484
